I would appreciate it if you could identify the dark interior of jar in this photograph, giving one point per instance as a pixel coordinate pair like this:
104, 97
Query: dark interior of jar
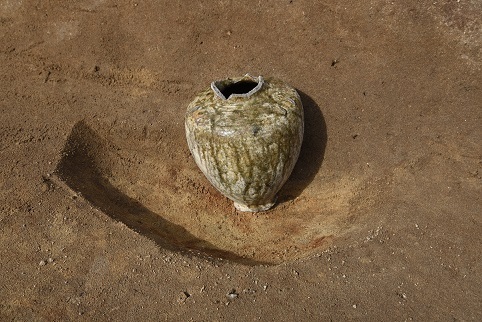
241, 87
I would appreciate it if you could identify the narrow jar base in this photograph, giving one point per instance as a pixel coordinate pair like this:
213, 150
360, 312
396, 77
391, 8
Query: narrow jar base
255, 208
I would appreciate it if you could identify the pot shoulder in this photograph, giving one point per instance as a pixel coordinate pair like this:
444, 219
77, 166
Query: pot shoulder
275, 107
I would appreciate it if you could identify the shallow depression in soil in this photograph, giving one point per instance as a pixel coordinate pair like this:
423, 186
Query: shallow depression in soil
165, 197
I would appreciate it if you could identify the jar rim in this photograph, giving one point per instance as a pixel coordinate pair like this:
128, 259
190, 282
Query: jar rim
241, 87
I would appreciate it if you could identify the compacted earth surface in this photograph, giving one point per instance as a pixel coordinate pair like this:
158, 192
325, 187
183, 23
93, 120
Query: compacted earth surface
105, 216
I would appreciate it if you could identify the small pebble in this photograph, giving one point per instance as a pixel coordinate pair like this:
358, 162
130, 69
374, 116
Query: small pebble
44, 187
232, 295
42, 263
183, 296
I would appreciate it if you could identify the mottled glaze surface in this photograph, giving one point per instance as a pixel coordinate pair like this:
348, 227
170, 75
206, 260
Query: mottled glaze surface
247, 143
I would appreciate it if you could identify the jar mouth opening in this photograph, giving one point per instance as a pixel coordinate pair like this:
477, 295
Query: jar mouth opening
242, 87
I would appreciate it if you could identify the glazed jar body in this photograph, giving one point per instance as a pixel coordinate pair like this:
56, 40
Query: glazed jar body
245, 135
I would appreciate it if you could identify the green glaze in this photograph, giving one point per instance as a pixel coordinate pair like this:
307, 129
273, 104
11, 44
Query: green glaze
246, 144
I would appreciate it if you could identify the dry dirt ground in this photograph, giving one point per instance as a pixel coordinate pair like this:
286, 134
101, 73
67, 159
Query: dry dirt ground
105, 216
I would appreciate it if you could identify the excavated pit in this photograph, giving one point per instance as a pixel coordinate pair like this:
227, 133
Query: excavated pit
162, 195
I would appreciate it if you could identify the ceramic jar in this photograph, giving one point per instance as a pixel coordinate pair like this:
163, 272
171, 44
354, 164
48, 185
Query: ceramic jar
245, 135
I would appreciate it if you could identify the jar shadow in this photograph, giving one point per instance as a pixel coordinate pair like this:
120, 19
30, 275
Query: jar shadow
311, 154
86, 168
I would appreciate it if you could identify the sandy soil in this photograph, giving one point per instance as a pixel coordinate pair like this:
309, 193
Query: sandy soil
105, 216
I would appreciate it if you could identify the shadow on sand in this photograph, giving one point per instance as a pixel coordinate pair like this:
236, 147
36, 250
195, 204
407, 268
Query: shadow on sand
84, 167
312, 151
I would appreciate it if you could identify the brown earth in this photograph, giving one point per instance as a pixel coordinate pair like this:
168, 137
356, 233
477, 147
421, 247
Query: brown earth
105, 216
